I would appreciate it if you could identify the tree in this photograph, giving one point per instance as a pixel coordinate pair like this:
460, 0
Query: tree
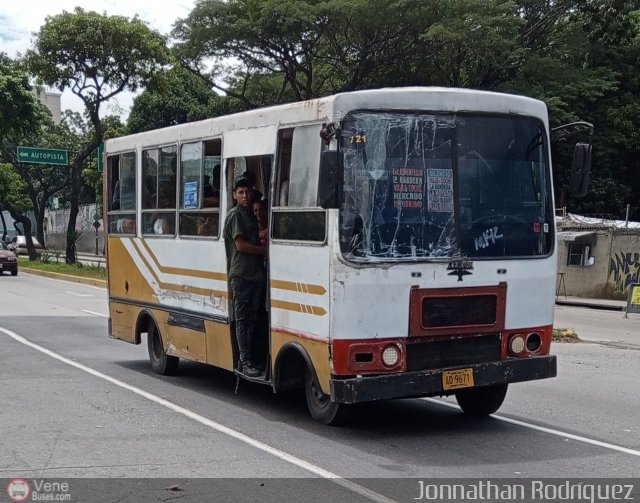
174, 97
97, 57
14, 200
275, 51
21, 117
20, 112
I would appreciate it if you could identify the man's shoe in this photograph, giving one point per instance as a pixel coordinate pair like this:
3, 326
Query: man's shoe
251, 371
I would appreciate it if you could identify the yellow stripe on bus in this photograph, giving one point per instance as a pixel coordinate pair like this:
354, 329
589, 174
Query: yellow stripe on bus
173, 287
300, 308
277, 284
182, 271
298, 287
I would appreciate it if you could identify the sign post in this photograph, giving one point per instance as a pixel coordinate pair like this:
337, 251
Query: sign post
32, 155
633, 300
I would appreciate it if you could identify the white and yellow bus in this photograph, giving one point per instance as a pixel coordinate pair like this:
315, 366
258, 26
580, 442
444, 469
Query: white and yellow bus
411, 244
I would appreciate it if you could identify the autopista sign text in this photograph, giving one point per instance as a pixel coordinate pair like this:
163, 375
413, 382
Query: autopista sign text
32, 155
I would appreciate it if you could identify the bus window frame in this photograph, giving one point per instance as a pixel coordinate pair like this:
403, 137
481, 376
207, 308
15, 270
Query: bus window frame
200, 211
157, 210
120, 214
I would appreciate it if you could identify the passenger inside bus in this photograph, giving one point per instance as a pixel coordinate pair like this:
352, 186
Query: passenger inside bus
211, 189
260, 211
251, 176
164, 223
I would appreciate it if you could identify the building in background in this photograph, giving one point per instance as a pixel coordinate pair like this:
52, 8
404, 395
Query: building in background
597, 258
51, 100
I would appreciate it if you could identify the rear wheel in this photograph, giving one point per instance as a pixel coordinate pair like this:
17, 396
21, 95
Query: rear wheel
161, 362
481, 401
321, 407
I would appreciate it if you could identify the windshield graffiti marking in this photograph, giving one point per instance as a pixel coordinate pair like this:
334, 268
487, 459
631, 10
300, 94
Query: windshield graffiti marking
488, 237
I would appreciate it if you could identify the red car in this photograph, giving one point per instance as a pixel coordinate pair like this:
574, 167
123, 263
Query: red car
8, 260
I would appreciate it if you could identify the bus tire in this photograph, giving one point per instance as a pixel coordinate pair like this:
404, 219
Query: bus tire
481, 401
321, 408
161, 362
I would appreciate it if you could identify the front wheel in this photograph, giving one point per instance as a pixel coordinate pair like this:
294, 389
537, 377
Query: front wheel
481, 401
320, 406
161, 362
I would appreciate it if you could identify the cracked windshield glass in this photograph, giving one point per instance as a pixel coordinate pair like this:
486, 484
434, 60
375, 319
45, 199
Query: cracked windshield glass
442, 185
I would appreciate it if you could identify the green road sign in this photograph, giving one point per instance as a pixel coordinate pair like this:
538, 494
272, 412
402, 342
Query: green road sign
31, 155
101, 158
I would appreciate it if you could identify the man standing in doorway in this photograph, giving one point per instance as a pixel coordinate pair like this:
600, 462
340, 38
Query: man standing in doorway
245, 269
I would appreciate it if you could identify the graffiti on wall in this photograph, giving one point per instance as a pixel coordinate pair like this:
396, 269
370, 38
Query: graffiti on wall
57, 220
625, 269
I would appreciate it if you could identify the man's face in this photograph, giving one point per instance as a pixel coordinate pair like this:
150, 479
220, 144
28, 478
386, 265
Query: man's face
242, 196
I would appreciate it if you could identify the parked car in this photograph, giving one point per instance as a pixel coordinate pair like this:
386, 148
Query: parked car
19, 245
8, 260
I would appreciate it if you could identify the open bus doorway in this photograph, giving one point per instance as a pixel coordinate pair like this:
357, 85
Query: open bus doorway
257, 169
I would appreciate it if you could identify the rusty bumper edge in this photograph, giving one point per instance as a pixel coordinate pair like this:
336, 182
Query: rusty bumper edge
429, 382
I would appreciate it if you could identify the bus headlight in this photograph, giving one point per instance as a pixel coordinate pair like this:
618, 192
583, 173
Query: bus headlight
391, 356
516, 344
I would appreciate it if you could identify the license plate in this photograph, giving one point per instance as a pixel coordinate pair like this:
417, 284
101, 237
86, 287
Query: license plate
455, 379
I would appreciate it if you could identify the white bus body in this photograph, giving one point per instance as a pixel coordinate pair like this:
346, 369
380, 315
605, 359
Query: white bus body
432, 274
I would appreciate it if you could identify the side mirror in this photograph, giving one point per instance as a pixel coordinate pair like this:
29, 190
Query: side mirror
580, 169
331, 179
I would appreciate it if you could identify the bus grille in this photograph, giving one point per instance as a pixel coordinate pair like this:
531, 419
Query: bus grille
459, 311
434, 354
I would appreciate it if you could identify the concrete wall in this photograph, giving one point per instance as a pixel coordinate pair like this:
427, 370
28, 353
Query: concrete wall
624, 264
56, 229
616, 264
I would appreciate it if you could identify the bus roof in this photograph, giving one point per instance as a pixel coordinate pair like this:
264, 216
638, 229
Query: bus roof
333, 108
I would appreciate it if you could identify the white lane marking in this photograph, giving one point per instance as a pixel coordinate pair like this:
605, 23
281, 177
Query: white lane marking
550, 431
305, 465
94, 313
79, 294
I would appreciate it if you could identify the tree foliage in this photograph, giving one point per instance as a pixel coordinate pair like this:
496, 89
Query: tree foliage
579, 56
97, 57
174, 97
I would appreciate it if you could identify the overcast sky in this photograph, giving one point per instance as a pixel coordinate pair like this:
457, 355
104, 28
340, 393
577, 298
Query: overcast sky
19, 19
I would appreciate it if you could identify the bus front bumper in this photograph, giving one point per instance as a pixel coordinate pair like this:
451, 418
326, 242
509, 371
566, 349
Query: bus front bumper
430, 382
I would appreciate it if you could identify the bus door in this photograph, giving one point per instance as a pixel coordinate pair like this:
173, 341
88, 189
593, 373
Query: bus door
258, 169
298, 251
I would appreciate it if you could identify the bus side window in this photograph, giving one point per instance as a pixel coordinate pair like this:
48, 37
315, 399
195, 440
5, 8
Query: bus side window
122, 197
305, 166
200, 188
113, 168
296, 216
159, 166
283, 168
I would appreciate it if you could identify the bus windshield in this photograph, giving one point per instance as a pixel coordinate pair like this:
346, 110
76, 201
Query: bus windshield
441, 185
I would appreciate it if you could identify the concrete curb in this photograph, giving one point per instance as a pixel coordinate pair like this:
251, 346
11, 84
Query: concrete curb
67, 277
591, 305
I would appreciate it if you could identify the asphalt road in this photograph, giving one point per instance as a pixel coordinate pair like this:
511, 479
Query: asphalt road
75, 403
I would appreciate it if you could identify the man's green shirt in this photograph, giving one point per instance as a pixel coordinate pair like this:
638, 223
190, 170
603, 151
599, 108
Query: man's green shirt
242, 222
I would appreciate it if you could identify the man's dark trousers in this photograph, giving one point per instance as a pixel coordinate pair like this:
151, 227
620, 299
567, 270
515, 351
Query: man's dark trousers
247, 296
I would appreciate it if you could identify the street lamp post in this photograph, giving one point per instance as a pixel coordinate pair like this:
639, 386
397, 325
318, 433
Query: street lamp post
96, 225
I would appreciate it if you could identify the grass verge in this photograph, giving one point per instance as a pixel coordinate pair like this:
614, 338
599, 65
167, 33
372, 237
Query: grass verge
85, 271
565, 335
